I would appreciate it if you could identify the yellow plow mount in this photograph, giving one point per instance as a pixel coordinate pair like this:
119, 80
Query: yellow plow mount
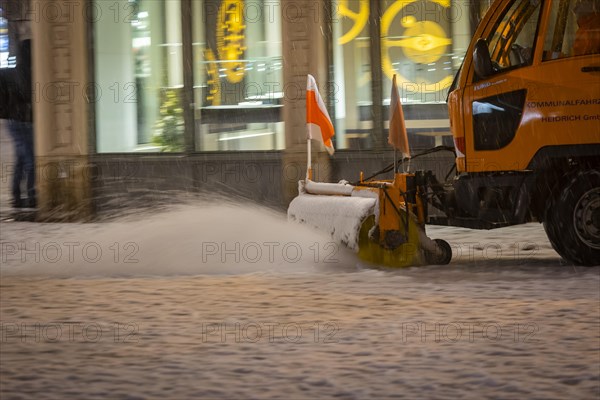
383, 221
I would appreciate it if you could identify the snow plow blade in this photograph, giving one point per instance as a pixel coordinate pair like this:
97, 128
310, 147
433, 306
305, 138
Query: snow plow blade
340, 216
376, 220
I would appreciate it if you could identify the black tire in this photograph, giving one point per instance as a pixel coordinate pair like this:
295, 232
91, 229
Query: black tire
441, 257
572, 220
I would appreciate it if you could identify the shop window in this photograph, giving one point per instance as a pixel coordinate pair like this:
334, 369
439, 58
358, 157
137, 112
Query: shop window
351, 88
422, 41
417, 46
139, 76
4, 48
238, 75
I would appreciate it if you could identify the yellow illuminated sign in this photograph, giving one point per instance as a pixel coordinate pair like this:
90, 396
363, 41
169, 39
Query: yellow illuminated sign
423, 42
230, 39
360, 19
214, 86
230, 49
426, 43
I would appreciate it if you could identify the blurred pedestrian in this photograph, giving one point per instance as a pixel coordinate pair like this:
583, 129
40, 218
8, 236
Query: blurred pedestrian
17, 108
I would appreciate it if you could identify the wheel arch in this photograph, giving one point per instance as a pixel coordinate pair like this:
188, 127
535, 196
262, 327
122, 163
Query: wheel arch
553, 167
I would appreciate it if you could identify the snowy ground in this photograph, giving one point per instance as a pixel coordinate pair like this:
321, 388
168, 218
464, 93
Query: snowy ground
223, 301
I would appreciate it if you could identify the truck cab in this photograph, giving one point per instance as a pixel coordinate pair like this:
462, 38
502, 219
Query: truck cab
525, 118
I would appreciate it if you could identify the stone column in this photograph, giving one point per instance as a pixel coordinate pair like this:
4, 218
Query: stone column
61, 93
304, 52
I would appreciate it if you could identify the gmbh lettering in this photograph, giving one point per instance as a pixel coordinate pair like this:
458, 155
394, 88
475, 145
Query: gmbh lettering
566, 103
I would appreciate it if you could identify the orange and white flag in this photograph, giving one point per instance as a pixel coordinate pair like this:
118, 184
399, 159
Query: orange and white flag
397, 135
319, 125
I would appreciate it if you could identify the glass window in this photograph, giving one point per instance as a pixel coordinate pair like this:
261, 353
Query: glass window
351, 89
139, 76
417, 46
4, 48
574, 29
512, 40
238, 75
423, 42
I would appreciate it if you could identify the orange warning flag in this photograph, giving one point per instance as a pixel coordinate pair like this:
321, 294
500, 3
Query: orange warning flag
397, 135
318, 121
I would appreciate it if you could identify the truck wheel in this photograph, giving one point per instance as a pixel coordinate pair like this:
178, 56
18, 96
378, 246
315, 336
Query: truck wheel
442, 256
572, 221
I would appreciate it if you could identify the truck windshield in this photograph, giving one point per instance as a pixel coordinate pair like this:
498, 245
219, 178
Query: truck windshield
512, 40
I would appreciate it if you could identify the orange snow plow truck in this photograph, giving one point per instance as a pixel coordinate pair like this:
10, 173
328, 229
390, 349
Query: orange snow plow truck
525, 117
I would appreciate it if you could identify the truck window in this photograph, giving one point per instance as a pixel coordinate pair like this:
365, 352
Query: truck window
512, 40
573, 30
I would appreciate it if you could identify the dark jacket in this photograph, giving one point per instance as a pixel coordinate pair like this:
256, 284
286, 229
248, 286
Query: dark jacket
16, 86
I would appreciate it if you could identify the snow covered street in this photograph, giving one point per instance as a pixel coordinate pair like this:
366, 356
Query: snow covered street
223, 301
231, 199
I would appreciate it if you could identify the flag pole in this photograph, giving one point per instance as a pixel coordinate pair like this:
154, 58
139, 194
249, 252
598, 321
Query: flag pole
309, 161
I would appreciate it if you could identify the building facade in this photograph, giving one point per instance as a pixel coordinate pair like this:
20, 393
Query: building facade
134, 98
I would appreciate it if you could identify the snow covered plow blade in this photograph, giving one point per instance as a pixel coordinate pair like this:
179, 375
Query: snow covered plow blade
383, 221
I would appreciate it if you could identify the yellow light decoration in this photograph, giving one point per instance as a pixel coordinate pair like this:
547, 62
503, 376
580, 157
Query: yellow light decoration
426, 43
360, 19
214, 86
230, 39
